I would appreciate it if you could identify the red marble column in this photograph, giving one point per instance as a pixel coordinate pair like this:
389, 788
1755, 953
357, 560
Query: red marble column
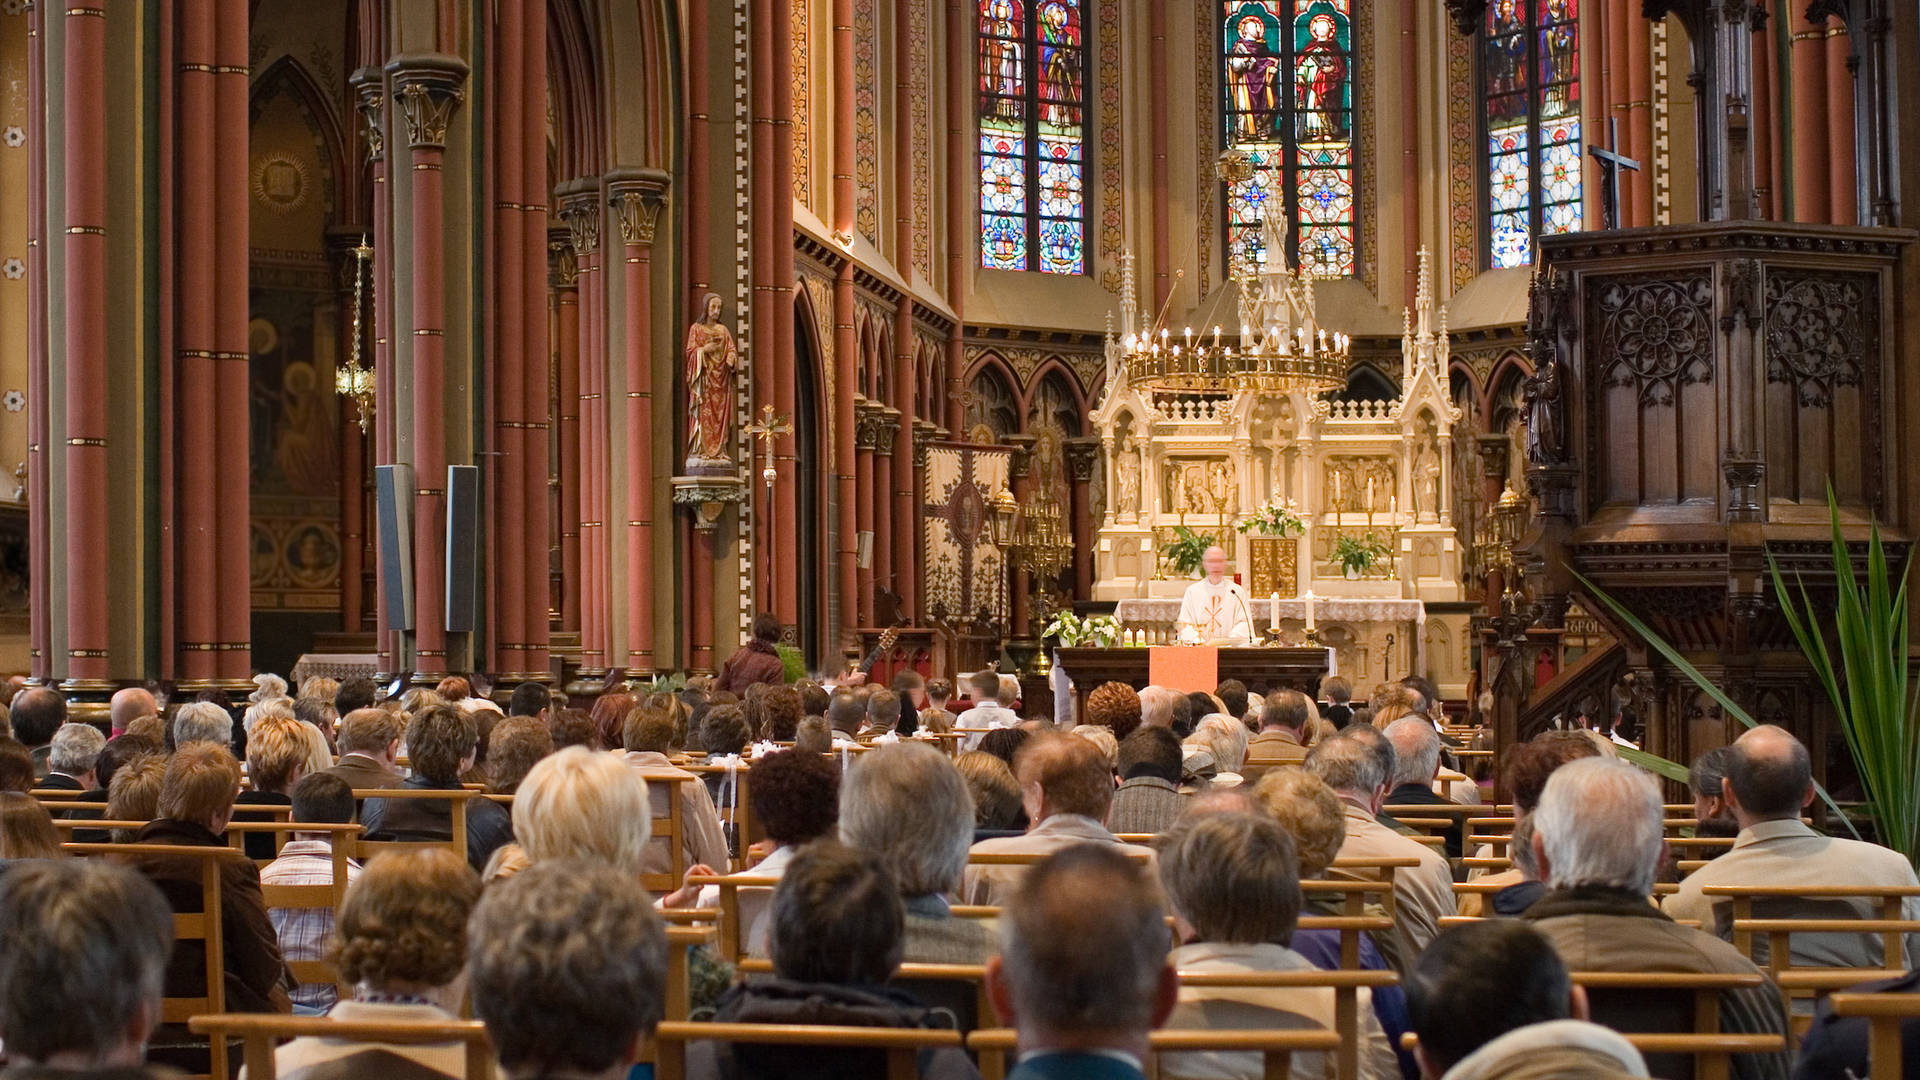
1765, 174
851, 592
39, 514
85, 300
535, 386
428, 88
786, 597
233, 568
1637, 129
583, 217
1808, 57
636, 200
1842, 178
763, 333
341, 243
900, 532
867, 437
962, 63
566, 363
906, 565
196, 465
1622, 16
887, 421
371, 101
1083, 457
700, 207
505, 356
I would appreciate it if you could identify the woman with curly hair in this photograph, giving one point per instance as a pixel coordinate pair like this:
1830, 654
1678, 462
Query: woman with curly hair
402, 943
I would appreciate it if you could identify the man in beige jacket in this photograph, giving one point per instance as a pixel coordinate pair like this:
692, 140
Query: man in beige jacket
1067, 788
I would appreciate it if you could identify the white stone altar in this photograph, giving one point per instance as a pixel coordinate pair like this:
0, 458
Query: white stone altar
1380, 469
1404, 622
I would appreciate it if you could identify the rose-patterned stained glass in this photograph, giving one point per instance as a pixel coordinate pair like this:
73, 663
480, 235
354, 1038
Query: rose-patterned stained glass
1287, 109
1530, 87
1032, 165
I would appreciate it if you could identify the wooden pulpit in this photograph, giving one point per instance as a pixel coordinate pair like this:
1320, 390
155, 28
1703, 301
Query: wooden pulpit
1261, 669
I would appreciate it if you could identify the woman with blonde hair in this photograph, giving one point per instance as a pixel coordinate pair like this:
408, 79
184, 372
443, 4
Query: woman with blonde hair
583, 805
401, 941
1225, 740
26, 829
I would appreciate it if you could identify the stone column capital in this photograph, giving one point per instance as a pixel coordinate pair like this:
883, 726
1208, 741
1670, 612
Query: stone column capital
1022, 461
886, 421
370, 102
580, 209
635, 196
1082, 453
428, 86
563, 268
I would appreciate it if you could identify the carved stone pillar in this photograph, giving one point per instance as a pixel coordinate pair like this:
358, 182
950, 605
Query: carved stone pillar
924, 432
563, 276
580, 207
636, 197
886, 430
428, 87
1020, 471
370, 100
866, 441
1083, 457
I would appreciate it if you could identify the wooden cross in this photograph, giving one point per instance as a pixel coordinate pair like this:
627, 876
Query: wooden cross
768, 428
1611, 162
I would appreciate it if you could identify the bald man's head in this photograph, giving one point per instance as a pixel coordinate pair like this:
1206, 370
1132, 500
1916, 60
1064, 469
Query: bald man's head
129, 705
1769, 775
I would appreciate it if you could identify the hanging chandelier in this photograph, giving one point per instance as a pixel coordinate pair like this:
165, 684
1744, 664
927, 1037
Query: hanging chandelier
354, 380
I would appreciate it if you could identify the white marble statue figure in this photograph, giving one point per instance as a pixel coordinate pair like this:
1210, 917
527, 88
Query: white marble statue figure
1426, 479
1127, 471
1215, 609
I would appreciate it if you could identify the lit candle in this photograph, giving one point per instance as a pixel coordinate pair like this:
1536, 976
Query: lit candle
1273, 612
1309, 600
1369, 494
1393, 504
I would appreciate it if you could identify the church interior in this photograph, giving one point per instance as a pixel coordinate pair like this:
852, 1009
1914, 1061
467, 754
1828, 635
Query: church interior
1521, 370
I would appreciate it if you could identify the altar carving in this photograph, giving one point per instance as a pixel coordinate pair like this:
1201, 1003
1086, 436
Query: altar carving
1359, 471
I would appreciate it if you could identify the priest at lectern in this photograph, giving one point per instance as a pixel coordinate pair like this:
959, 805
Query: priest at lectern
1216, 610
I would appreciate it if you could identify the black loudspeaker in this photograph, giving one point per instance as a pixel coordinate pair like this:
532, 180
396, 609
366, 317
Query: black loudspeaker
463, 547
393, 505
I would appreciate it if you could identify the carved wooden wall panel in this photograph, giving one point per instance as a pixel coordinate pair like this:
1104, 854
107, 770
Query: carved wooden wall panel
1652, 433
1823, 393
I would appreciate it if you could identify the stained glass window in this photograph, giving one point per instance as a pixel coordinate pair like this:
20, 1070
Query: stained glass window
1530, 79
1287, 110
1032, 166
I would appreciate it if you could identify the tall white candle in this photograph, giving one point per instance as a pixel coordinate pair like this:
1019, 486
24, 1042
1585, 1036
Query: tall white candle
1273, 612
1309, 600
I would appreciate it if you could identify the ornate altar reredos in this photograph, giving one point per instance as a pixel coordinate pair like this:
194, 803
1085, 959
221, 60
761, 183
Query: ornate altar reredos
1352, 469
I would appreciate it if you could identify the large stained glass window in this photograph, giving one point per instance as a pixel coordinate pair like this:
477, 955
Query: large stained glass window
1530, 76
1288, 79
1032, 163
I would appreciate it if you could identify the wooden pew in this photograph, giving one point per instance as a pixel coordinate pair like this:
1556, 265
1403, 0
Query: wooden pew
260, 1032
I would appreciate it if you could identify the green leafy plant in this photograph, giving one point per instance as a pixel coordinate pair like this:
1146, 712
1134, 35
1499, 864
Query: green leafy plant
1187, 550
1275, 518
1357, 554
793, 663
1071, 630
1872, 695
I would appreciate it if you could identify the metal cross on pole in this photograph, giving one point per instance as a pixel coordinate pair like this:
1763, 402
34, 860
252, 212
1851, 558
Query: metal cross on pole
1611, 162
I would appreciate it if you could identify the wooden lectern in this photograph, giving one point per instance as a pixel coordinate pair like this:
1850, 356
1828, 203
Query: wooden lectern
1261, 669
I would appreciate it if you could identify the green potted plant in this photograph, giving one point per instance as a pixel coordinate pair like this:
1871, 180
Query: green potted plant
1187, 551
1277, 517
1357, 554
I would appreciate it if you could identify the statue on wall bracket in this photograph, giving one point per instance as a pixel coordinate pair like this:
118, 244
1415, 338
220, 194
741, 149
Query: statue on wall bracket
711, 360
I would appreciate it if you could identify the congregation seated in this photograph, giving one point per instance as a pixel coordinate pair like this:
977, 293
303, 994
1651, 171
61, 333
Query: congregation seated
911, 688
567, 966
1839, 1045
846, 715
795, 799
1148, 799
1597, 839
1493, 1001
1769, 781
582, 806
1337, 709
440, 747
1423, 894
135, 794
1232, 880
307, 859
71, 757
402, 943
518, 743
1416, 756
1526, 768
26, 830
883, 714
837, 924
908, 806
995, 793
813, 736
935, 717
1101, 737
1706, 781
1066, 789
780, 714
648, 736
992, 705
1115, 706
1217, 750
37, 713
1282, 737
369, 741
202, 721
83, 970
1005, 742
1082, 973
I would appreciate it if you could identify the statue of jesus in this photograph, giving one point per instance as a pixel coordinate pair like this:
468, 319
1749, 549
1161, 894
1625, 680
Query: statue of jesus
711, 358
1215, 608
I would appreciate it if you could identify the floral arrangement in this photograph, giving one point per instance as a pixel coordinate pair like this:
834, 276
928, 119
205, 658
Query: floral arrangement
1277, 517
1071, 630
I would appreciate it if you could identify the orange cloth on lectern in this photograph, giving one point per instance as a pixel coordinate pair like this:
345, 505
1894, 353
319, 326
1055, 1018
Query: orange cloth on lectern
1184, 667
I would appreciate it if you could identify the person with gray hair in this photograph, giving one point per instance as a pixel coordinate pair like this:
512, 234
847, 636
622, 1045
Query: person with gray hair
1284, 720
84, 968
1597, 841
908, 806
202, 721
1416, 765
1156, 706
1350, 765
1082, 971
1233, 881
70, 758
568, 968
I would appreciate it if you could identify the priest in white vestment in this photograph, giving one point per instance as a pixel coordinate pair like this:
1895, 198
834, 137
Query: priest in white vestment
1216, 608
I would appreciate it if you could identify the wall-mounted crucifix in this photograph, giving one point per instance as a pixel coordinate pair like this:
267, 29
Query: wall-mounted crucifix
1612, 161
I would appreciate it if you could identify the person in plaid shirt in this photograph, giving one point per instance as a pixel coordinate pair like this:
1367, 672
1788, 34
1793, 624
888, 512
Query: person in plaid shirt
307, 859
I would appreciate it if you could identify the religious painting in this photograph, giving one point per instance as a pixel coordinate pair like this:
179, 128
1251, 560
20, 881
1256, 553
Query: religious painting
1530, 97
1287, 106
1031, 129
